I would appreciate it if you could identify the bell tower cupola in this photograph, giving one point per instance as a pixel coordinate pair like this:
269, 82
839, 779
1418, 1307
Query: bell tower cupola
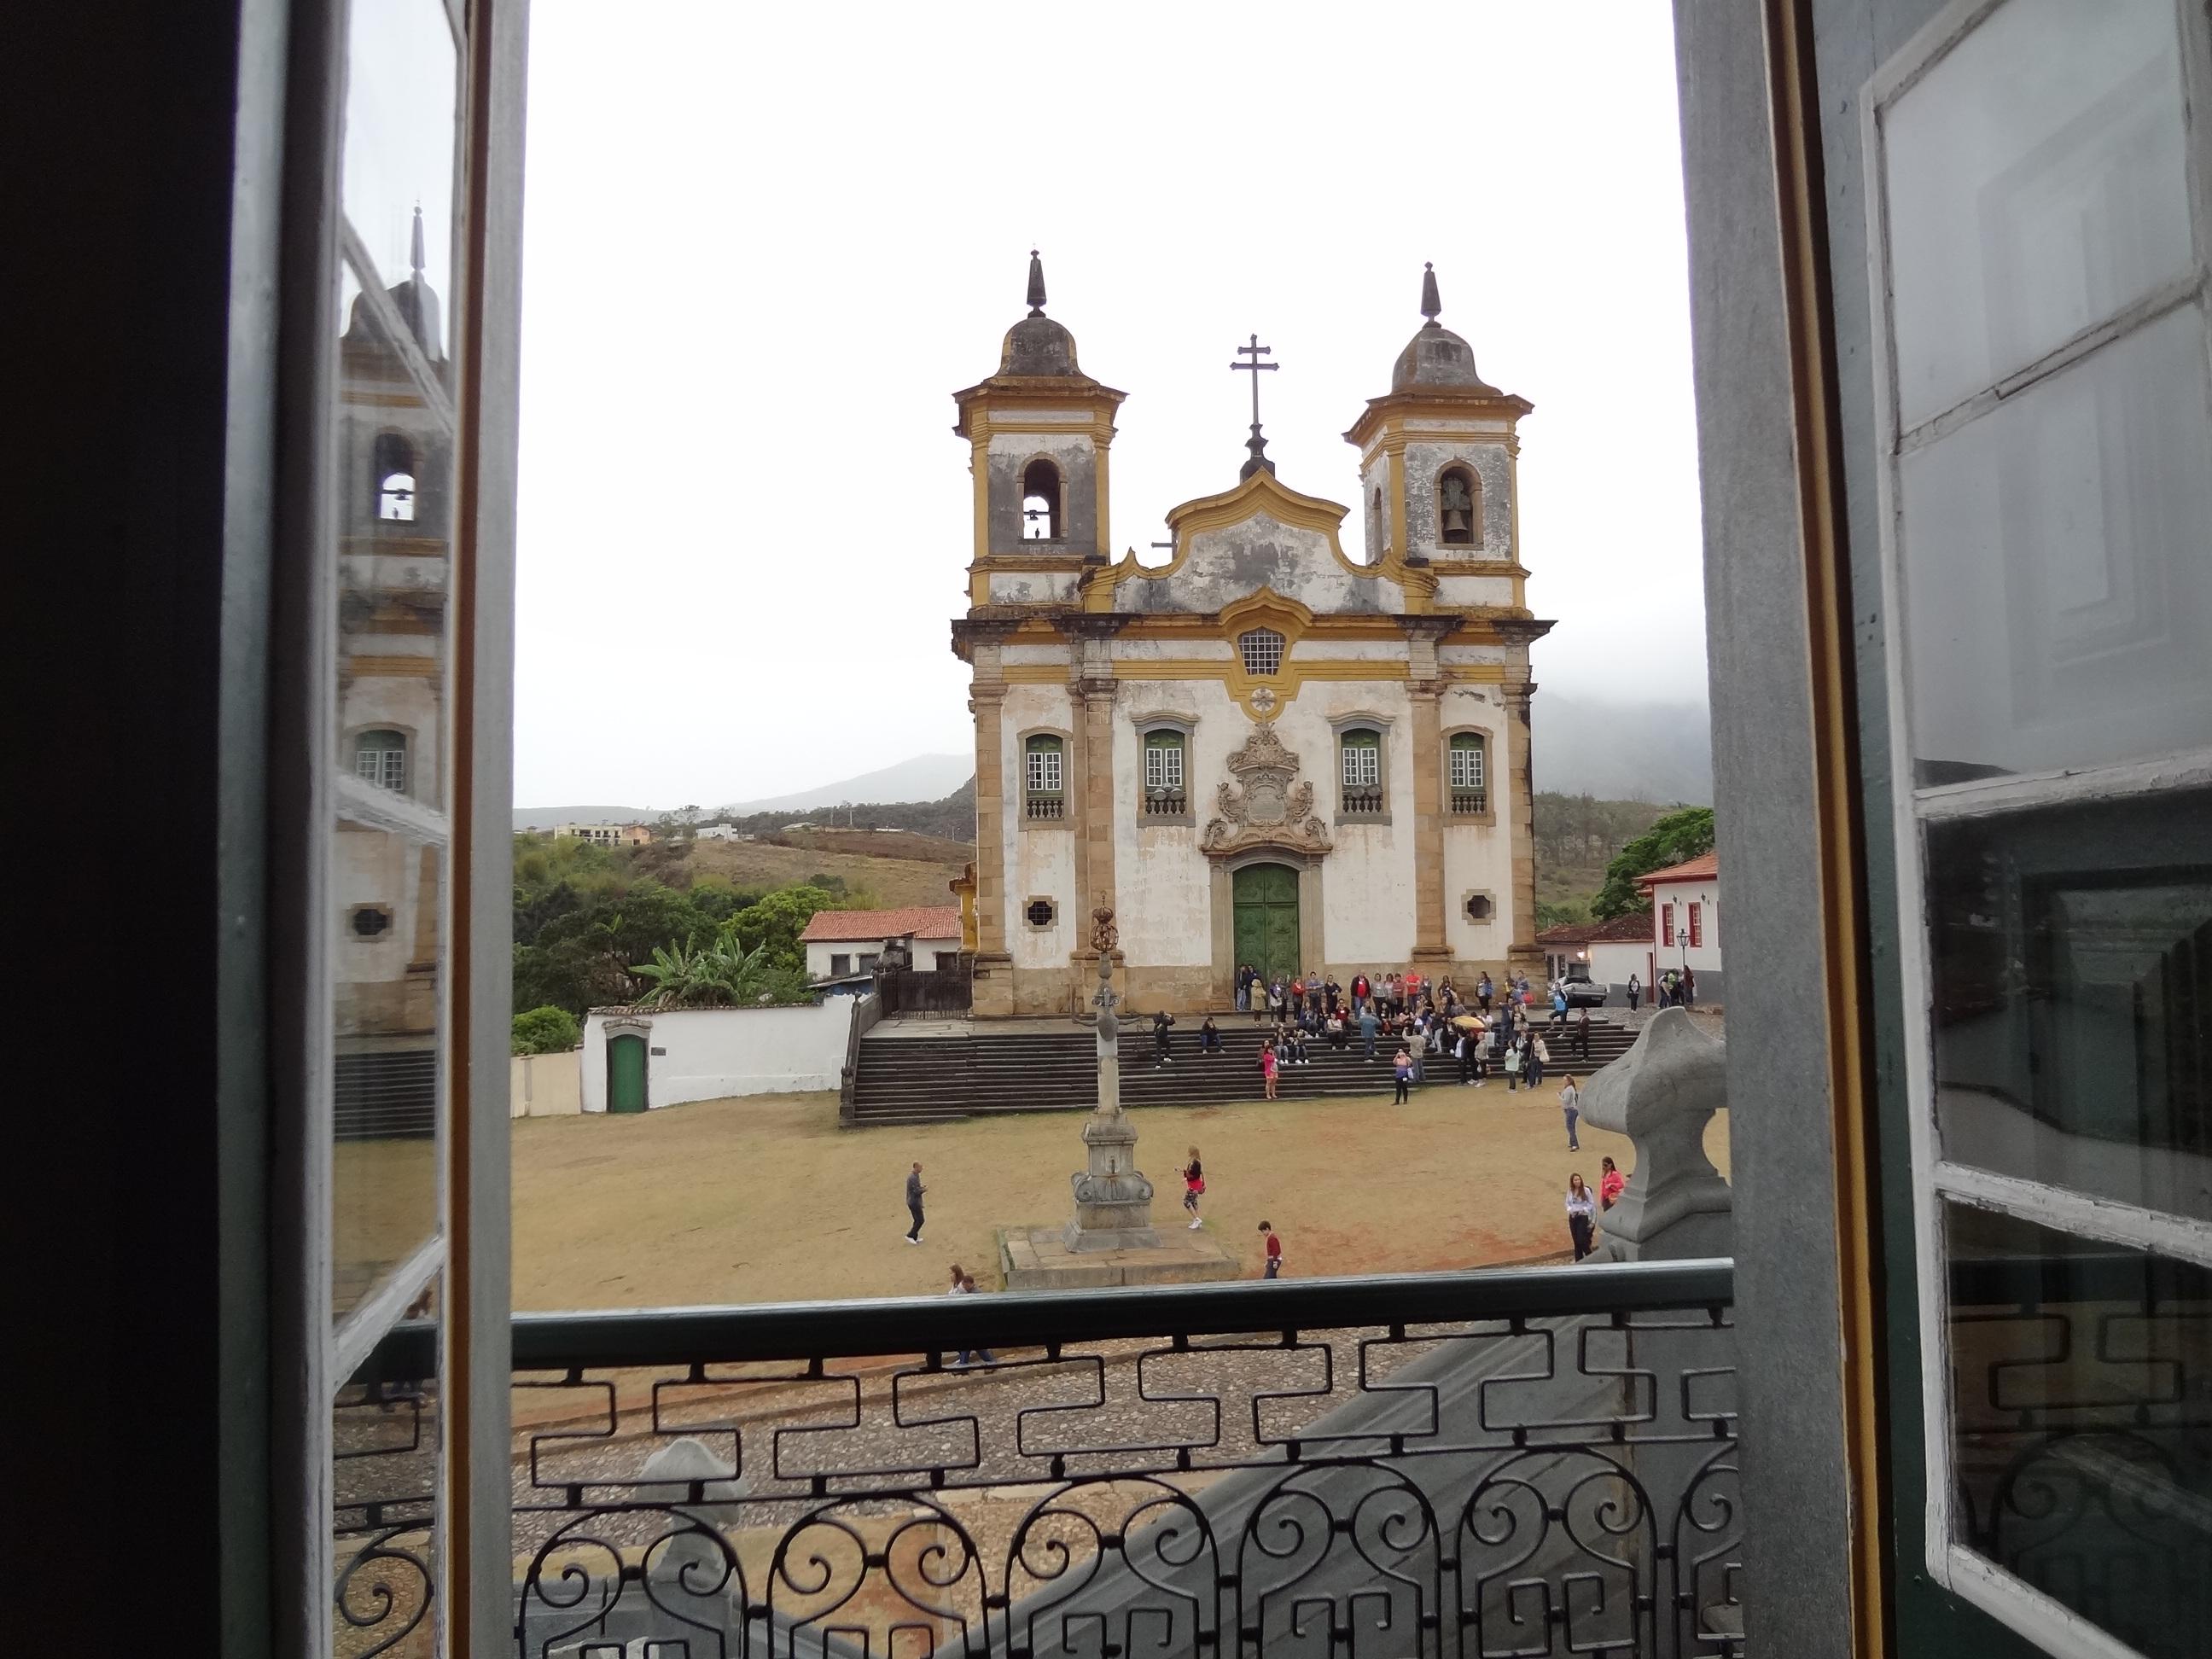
1038, 434
1437, 453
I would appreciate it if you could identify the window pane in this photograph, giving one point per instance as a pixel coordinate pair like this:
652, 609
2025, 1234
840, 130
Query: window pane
2081, 1459
386, 971
2035, 187
2072, 959
2056, 570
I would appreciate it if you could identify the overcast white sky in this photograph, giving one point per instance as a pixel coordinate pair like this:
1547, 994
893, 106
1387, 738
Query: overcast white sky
763, 245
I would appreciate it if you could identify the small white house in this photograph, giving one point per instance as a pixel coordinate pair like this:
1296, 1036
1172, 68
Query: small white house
638, 1058
840, 943
720, 832
1686, 921
599, 834
1611, 951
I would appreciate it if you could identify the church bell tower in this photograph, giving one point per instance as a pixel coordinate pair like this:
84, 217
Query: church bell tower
1038, 432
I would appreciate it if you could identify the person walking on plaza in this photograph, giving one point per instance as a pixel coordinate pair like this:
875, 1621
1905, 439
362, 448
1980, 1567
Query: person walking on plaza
1275, 1267
914, 1189
1570, 1103
1161, 1021
1194, 1189
1581, 1217
1611, 1183
1635, 992
1402, 1065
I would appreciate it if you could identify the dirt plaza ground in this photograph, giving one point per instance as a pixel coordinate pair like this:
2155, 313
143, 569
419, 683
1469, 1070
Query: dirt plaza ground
767, 1200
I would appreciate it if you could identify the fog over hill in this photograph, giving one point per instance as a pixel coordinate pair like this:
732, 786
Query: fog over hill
1654, 751
920, 778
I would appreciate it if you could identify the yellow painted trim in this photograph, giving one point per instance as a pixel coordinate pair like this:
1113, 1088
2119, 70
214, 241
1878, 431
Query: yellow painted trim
979, 470
1266, 609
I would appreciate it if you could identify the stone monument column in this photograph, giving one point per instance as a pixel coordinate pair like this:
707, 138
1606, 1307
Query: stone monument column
1112, 1199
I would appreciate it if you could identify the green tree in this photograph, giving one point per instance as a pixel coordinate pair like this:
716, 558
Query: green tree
546, 1030
1675, 839
1562, 914
719, 974
778, 919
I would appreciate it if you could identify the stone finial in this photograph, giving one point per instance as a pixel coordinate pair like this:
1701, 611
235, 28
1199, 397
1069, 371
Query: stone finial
1660, 1094
1036, 284
1432, 305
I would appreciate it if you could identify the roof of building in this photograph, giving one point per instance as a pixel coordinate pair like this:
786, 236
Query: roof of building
1436, 356
1635, 926
857, 926
1706, 868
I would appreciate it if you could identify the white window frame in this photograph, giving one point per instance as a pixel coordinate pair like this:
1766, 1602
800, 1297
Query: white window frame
1262, 651
1044, 767
1359, 763
1163, 760
385, 767
1956, 1567
1476, 752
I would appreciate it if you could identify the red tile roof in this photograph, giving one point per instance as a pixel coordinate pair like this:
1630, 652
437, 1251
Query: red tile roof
857, 926
1707, 868
1635, 926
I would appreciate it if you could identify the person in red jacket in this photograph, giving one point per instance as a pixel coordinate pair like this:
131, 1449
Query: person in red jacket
1275, 1267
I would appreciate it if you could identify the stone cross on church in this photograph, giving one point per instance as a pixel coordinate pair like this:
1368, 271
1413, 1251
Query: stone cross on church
1300, 743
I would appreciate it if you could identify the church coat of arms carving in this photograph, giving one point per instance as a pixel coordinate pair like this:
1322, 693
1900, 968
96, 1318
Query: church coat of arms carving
1266, 806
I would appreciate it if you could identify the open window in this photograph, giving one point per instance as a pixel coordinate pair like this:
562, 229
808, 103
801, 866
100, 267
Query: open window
1041, 502
380, 758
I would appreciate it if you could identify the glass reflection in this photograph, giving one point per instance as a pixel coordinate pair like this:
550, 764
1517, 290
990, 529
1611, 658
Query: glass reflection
2058, 578
402, 89
2035, 183
2081, 1382
2073, 1006
384, 1175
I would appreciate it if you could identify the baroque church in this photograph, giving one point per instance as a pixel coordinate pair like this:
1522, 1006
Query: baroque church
1267, 750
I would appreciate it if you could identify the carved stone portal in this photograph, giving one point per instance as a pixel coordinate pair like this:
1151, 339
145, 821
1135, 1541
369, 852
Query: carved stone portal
1266, 806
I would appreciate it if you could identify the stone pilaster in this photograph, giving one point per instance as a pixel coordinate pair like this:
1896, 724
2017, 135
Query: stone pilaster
1432, 951
1524, 953
993, 985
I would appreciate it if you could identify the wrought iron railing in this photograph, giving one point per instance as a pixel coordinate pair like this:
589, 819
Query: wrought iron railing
1470, 802
1525, 1462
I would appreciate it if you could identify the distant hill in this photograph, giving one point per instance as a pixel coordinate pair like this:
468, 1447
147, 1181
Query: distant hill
1660, 752
923, 778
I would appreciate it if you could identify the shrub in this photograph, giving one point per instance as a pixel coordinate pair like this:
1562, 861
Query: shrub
547, 1030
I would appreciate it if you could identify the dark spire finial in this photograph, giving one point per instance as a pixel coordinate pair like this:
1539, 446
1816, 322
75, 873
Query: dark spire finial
1036, 284
1432, 305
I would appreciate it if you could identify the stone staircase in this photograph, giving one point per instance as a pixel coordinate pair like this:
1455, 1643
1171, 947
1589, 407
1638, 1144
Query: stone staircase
935, 1079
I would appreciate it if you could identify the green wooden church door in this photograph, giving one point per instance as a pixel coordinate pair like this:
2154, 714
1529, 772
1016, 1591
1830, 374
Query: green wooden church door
1267, 904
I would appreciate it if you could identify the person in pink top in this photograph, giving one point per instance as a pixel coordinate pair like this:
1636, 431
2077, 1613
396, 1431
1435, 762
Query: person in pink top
1267, 1063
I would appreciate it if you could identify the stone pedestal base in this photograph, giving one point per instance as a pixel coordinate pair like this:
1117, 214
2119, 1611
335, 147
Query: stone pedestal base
1112, 1199
1038, 1259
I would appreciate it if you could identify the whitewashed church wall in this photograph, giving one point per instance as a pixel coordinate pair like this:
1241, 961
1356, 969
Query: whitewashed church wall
1042, 866
1162, 882
1225, 565
1028, 587
1367, 894
1452, 591
1478, 858
1173, 651
1061, 447
1348, 651
1463, 656
1055, 654
374, 867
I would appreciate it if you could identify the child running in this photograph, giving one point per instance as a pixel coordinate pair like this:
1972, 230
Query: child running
1194, 1189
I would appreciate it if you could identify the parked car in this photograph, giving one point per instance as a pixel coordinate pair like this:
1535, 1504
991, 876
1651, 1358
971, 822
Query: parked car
1582, 991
